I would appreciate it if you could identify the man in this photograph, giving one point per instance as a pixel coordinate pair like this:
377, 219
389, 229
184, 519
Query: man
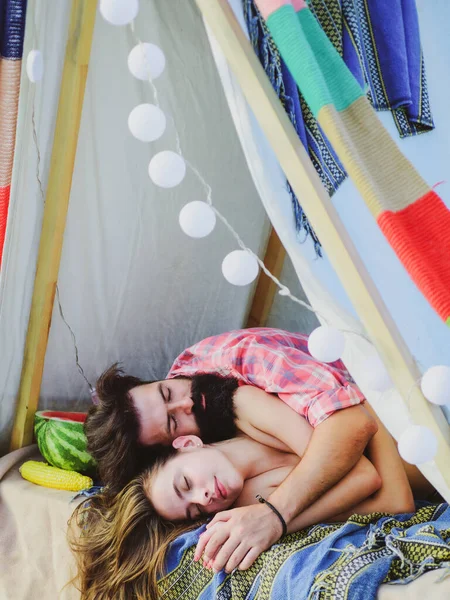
136, 417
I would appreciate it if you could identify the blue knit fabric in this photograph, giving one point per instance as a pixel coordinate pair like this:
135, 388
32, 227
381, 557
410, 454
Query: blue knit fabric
12, 28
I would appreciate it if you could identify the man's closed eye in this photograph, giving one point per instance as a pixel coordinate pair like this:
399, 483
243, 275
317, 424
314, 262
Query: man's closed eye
174, 424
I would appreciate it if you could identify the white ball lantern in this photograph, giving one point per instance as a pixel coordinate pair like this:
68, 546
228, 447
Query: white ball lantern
417, 445
167, 169
326, 344
119, 12
147, 122
146, 61
35, 66
436, 385
240, 268
197, 219
375, 374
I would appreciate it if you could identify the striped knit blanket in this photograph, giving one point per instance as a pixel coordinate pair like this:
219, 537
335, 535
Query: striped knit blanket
12, 28
403, 205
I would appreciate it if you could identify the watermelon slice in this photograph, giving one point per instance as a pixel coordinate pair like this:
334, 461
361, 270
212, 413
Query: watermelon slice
61, 440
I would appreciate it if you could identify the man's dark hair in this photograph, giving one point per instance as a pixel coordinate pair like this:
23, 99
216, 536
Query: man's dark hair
112, 431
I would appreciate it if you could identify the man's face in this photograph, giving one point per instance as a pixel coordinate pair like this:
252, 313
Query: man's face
165, 411
171, 408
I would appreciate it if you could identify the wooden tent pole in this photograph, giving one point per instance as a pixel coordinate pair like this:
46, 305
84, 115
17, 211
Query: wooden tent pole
265, 288
73, 83
326, 222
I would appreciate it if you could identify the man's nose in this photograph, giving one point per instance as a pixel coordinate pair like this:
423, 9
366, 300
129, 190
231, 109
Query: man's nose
186, 404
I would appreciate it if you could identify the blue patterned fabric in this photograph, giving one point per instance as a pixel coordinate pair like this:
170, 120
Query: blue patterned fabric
380, 43
346, 561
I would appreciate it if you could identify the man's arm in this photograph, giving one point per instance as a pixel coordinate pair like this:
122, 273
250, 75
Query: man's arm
329, 456
328, 453
335, 447
394, 495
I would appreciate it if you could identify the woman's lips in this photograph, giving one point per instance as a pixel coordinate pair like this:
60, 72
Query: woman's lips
221, 489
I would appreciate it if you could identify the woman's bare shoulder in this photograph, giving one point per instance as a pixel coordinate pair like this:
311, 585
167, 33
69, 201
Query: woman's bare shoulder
264, 484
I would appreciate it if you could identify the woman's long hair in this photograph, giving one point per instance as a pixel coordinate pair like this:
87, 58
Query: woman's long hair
121, 542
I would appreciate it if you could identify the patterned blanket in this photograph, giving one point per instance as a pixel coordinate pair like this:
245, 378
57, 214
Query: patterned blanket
342, 561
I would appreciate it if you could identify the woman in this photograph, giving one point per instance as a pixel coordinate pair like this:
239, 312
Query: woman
124, 540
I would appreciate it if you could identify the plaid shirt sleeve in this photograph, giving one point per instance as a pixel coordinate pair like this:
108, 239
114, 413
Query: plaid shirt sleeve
313, 389
279, 363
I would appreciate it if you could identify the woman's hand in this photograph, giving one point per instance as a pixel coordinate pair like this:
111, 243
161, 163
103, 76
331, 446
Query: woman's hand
236, 537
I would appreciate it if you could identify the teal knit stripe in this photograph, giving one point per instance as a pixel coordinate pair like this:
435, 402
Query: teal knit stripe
320, 83
298, 56
343, 86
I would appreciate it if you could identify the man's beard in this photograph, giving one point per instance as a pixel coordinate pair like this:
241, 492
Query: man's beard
217, 420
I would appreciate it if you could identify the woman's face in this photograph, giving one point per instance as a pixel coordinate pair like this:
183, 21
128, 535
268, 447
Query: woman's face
195, 482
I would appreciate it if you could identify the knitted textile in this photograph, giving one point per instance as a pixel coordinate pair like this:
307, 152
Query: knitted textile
12, 27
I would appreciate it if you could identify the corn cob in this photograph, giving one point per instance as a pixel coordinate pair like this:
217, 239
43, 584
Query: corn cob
43, 474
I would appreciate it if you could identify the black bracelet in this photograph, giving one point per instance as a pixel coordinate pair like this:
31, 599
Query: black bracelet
272, 507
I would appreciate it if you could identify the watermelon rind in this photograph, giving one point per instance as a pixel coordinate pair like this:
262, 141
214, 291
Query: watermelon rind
62, 442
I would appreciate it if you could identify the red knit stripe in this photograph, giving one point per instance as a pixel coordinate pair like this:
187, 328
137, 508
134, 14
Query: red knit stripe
420, 236
4, 203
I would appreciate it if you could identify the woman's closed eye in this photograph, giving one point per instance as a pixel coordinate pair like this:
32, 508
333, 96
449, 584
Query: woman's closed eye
187, 484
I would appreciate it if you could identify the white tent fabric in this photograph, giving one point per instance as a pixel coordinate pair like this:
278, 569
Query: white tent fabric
270, 182
133, 286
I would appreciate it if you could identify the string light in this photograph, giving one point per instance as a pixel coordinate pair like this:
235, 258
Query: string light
119, 12
375, 374
240, 267
167, 169
197, 219
326, 344
146, 61
35, 66
417, 445
436, 385
147, 122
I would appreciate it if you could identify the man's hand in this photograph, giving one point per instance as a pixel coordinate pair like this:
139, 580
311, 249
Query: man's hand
235, 538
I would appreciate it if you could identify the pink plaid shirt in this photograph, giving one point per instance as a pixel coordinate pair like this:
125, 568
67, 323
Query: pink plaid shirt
279, 363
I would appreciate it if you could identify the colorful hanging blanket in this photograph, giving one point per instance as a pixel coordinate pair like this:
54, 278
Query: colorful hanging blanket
410, 214
12, 28
346, 561
384, 56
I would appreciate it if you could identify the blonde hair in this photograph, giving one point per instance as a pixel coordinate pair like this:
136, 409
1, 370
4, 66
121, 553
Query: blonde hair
121, 542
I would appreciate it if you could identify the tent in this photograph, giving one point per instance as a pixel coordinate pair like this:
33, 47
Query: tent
131, 287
